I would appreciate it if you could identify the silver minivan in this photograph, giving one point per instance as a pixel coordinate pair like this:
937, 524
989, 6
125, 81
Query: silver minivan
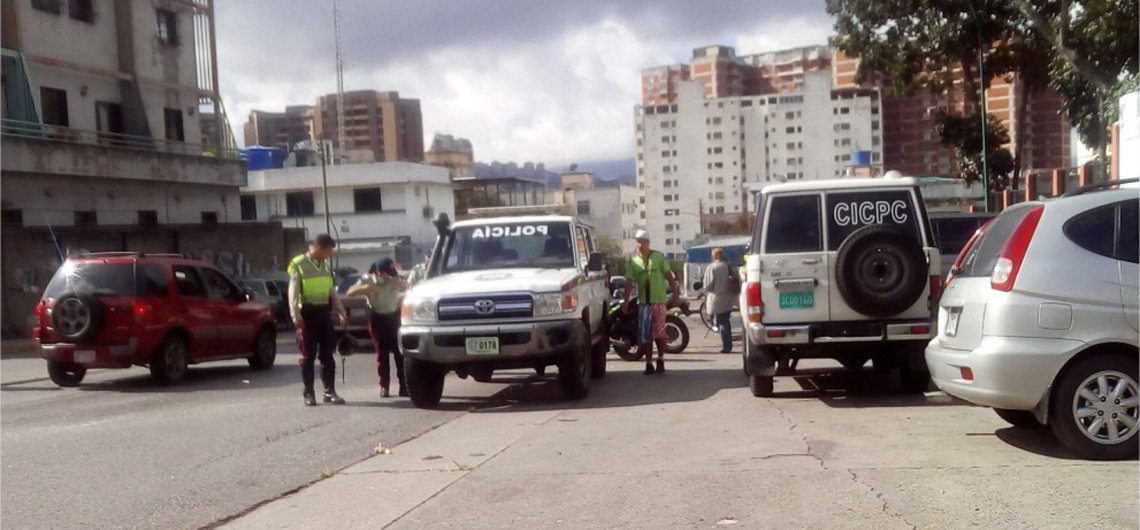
1039, 321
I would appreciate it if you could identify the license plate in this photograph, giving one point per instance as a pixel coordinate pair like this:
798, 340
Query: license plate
797, 300
84, 356
952, 322
482, 345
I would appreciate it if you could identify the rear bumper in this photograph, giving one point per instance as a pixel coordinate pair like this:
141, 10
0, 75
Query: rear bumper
518, 342
103, 356
1008, 372
805, 334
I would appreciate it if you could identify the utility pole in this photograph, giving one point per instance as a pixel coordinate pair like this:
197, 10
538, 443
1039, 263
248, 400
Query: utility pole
701, 215
325, 187
982, 87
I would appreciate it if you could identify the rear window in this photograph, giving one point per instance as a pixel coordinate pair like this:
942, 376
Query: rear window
793, 224
110, 279
1094, 230
848, 211
980, 259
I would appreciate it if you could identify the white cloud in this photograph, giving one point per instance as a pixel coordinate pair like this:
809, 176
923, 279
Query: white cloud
566, 97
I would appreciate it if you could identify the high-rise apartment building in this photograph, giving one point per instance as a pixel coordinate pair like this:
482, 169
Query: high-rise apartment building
279, 129
388, 126
698, 156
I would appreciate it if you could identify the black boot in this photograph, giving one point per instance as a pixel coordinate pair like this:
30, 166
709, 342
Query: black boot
649, 368
310, 399
660, 365
331, 397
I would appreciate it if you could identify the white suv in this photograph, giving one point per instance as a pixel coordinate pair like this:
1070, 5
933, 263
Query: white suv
1039, 320
844, 269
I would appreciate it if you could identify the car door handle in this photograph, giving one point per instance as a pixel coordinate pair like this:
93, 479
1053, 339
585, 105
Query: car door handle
811, 261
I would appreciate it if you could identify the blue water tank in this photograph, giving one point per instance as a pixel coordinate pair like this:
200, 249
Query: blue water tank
861, 158
260, 157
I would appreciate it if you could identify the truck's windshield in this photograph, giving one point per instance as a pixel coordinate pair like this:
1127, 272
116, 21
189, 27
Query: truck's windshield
501, 245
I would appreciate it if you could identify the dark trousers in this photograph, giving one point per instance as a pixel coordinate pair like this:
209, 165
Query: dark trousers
724, 324
385, 332
317, 337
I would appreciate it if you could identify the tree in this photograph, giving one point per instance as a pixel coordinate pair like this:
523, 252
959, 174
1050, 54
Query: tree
1080, 48
964, 135
611, 255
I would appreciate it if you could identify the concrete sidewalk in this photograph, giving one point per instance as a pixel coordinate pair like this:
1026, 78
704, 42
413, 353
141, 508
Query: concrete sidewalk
693, 449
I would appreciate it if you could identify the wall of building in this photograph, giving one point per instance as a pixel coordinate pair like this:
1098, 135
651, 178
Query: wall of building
32, 255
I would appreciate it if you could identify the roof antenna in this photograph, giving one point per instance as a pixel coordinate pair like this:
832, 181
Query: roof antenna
53, 238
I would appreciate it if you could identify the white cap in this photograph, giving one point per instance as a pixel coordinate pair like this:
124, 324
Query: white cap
641, 234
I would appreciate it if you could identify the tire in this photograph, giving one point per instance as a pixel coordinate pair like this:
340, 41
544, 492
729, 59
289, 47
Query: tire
1020, 418
171, 362
425, 382
628, 351
1072, 415
598, 359
761, 386
574, 370
914, 381
66, 374
264, 350
77, 317
676, 334
880, 270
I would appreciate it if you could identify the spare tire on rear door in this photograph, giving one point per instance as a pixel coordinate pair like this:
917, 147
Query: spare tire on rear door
880, 270
77, 317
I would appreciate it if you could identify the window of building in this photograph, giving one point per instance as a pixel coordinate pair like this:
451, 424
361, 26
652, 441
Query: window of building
845, 110
791, 145
366, 200
790, 130
584, 208
167, 26
86, 218
148, 218
789, 115
13, 217
172, 118
299, 204
50, 6
82, 10
54, 104
716, 121
209, 218
248, 208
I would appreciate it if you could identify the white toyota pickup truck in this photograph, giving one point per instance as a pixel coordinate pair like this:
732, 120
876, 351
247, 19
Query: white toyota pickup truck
506, 292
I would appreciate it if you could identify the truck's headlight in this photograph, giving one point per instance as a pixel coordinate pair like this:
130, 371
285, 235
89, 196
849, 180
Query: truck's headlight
555, 303
418, 309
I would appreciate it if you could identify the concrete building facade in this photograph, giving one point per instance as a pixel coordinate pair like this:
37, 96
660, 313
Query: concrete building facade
614, 212
453, 153
377, 209
279, 129
698, 156
103, 127
383, 123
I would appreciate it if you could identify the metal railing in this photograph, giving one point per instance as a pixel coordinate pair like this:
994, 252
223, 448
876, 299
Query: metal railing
55, 133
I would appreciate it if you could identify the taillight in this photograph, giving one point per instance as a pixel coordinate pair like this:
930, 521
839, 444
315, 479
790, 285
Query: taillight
1013, 253
755, 303
41, 310
935, 289
143, 312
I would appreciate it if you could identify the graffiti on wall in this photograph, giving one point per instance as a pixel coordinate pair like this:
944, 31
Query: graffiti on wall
233, 263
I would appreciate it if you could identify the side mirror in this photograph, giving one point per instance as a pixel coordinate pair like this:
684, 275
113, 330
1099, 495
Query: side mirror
597, 263
442, 224
247, 294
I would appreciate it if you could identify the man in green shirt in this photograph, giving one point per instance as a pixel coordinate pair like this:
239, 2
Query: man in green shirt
649, 271
384, 287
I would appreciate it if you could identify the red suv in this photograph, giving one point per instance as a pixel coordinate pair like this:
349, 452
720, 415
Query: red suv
117, 309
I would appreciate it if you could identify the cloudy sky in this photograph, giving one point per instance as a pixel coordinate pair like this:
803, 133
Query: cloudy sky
524, 80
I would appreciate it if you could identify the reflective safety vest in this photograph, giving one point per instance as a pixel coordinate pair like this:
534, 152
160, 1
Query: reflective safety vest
316, 279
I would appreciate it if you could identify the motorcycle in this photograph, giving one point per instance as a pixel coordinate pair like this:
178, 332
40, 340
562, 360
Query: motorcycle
623, 327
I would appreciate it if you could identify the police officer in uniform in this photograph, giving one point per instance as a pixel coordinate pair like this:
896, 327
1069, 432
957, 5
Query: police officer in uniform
312, 299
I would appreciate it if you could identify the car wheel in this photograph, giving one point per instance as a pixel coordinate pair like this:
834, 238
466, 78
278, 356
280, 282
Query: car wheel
171, 362
425, 382
880, 270
760, 385
76, 317
66, 374
627, 350
1019, 418
598, 360
676, 334
574, 370
264, 350
1095, 409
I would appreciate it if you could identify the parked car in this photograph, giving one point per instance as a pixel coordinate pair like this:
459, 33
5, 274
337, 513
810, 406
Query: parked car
354, 336
272, 292
1039, 320
118, 309
953, 230
844, 269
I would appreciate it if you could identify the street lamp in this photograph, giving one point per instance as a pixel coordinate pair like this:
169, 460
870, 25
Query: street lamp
982, 87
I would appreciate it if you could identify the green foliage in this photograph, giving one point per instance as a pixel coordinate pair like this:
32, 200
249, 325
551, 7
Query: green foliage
963, 133
612, 255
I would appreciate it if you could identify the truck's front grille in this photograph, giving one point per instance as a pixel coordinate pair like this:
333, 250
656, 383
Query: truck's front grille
491, 306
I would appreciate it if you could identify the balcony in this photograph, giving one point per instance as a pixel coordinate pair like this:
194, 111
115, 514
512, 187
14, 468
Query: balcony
34, 148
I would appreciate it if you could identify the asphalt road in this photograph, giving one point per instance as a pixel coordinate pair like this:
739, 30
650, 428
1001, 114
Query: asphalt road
123, 452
